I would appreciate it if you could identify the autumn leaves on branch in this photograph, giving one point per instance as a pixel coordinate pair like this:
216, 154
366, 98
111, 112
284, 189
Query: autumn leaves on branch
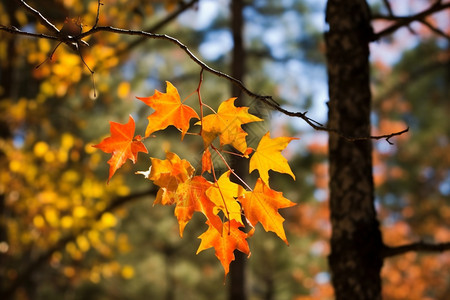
227, 206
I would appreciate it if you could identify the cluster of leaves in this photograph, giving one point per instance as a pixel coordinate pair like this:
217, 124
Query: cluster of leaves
227, 206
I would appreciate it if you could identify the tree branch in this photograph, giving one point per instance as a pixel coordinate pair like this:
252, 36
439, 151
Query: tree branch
182, 8
15, 30
268, 100
28, 270
405, 21
419, 247
40, 17
435, 29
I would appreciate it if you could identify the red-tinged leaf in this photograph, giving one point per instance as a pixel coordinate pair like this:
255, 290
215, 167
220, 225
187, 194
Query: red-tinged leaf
227, 125
191, 196
122, 145
267, 156
262, 204
169, 110
248, 152
225, 242
206, 161
224, 194
204, 204
185, 204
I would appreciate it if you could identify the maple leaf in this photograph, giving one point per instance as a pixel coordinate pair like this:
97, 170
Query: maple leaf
190, 197
224, 194
177, 186
169, 110
122, 145
168, 174
267, 156
262, 204
225, 242
227, 125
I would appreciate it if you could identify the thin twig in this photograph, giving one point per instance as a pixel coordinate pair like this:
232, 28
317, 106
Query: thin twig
405, 21
153, 28
40, 17
435, 29
50, 56
380, 137
97, 18
388, 7
419, 247
15, 30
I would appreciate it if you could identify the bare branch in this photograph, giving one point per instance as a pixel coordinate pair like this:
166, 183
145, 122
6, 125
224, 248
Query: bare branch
40, 17
154, 28
266, 99
405, 21
379, 137
98, 13
15, 30
419, 247
435, 29
388, 7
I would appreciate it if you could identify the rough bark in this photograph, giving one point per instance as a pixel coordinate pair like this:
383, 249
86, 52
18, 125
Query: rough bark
355, 260
237, 287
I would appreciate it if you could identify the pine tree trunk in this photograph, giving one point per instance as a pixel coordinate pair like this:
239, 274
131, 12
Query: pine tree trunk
355, 260
237, 284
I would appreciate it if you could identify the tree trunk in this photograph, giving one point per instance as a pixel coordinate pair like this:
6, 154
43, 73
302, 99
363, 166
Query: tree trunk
355, 260
237, 287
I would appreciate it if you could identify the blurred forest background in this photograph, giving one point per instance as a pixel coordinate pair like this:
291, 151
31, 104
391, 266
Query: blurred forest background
66, 234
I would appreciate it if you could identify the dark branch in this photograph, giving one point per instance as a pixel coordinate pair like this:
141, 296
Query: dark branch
29, 270
388, 7
418, 247
97, 17
379, 137
14, 30
154, 28
435, 29
40, 17
268, 100
405, 21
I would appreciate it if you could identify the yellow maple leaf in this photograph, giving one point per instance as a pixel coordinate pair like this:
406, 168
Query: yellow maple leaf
262, 204
267, 156
223, 194
227, 125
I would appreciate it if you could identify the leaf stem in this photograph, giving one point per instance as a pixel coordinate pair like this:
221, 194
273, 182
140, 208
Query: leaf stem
230, 169
227, 212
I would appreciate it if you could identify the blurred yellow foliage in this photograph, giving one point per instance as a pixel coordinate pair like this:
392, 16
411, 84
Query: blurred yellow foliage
127, 272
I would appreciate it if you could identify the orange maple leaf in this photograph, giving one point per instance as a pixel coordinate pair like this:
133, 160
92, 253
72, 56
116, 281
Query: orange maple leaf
262, 204
267, 156
191, 196
224, 194
225, 242
227, 125
169, 110
168, 174
177, 185
122, 145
